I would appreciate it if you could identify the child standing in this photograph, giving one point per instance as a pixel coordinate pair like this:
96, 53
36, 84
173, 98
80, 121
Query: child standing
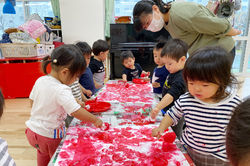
174, 56
86, 79
5, 158
207, 107
52, 100
238, 134
160, 72
131, 69
100, 49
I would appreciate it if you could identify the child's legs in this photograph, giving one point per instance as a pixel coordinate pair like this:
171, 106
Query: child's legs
205, 160
45, 146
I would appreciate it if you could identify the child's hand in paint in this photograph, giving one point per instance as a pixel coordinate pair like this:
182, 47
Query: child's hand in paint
98, 123
154, 112
88, 93
157, 132
81, 103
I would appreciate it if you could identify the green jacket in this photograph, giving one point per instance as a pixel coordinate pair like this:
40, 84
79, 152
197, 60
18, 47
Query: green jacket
198, 26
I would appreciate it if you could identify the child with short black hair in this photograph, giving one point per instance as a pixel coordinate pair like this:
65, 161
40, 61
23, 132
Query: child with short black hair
206, 108
173, 55
52, 100
160, 72
86, 79
131, 69
5, 158
238, 134
100, 49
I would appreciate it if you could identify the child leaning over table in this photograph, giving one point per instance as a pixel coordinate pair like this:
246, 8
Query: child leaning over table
173, 55
52, 100
207, 107
160, 72
100, 49
5, 158
131, 69
77, 90
86, 79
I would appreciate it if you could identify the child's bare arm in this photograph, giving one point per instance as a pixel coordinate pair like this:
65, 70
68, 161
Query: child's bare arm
156, 84
86, 91
165, 123
97, 86
85, 116
124, 77
165, 101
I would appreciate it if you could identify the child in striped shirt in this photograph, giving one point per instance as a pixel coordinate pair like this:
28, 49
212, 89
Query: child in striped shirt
207, 107
5, 158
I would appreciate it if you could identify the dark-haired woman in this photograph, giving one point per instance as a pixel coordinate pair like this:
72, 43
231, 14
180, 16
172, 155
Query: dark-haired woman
191, 22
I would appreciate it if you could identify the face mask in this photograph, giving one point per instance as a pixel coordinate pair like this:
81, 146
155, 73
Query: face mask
156, 24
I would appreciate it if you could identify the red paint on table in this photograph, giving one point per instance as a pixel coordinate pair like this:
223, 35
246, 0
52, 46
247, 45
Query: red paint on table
169, 137
118, 146
129, 92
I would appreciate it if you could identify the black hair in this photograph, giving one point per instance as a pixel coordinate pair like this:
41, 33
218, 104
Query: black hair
1, 103
175, 49
238, 133
210, 64
126, 54
100, 46
84, 47
160, 44
145, 7
67, 55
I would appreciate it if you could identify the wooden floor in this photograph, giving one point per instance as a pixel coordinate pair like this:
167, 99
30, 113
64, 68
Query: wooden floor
12, 129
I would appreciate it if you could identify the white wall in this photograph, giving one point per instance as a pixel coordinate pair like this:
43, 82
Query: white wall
82, 20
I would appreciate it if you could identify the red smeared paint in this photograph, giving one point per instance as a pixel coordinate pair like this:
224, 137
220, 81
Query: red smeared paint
126, 92
169, 137
105, 126
64, 155
168, 147
119, 146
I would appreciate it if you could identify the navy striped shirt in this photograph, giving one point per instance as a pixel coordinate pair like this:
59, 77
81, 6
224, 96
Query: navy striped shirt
205, 123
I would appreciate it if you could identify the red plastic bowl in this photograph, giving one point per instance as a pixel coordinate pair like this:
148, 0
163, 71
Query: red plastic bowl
139, 81
97, 106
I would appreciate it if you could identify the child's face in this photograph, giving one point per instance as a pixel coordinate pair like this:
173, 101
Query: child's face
204, 91
157, 57
129, 63
172, 65
103, 55
87, 58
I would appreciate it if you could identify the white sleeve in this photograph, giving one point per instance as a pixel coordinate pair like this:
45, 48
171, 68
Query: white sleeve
66, 99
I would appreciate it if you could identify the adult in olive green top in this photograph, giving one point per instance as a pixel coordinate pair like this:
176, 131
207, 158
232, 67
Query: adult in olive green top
191, 22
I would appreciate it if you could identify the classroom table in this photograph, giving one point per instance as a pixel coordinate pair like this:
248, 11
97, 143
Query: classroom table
125, 118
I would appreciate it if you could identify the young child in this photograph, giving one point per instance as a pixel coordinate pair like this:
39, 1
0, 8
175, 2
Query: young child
160, 72
86, 79
52, 100
207, 107
5, 158
238, 134
131, 69
100, 49
173, 55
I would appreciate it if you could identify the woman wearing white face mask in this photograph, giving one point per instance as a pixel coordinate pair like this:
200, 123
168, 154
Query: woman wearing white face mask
193, 23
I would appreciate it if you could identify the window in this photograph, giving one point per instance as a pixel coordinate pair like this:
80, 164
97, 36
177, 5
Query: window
23, 10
